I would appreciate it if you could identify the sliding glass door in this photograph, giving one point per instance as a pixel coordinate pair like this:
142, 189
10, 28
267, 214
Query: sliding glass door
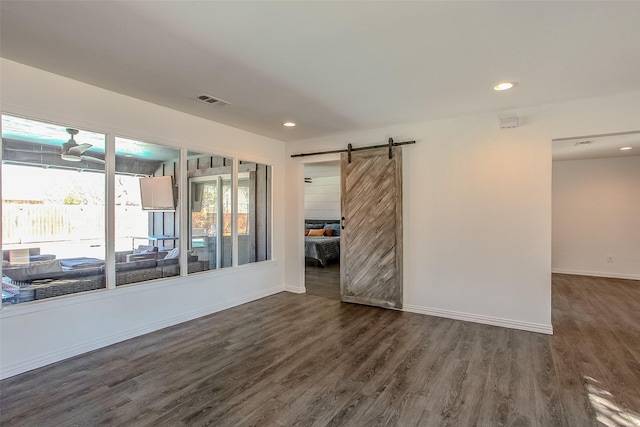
210, 198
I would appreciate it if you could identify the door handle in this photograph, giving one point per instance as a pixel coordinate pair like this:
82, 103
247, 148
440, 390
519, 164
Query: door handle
342, 223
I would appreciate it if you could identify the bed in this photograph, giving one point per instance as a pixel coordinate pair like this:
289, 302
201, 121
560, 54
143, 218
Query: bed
322, 249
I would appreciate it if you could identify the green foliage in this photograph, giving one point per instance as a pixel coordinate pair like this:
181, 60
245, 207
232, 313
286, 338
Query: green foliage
72, 199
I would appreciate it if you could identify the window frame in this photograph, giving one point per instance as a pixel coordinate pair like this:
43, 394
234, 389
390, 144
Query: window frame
182, 205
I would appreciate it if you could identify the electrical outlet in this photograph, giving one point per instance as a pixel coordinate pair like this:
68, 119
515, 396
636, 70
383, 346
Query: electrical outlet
609, 259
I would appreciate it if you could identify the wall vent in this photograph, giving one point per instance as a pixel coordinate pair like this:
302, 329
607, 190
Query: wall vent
208, 99
584, 142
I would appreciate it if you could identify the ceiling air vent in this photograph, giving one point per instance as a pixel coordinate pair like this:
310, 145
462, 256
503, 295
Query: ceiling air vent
208, 99
584, 142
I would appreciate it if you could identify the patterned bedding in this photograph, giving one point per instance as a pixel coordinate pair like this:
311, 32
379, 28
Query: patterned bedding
322, 249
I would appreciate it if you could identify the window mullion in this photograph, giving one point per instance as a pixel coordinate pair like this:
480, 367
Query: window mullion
234, 211
110, 168
182, 213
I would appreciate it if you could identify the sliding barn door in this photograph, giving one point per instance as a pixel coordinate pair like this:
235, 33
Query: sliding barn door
371, 241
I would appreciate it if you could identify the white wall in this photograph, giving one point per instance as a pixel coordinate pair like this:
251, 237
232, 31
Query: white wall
596, 215
477, 208
477, 216
322, 198
38, 333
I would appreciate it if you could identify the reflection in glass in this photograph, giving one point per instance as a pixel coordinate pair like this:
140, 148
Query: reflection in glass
147, 222
254, 212
53, 210
211, 207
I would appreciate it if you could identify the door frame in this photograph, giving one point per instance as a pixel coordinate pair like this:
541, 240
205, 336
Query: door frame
300, 226
219, 224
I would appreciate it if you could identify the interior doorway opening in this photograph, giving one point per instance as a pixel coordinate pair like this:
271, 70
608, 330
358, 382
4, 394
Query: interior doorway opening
322, 228
596, 205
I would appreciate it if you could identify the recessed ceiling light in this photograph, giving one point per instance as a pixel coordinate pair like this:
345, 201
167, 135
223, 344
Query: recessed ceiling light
625, 148
505, 85
288, 124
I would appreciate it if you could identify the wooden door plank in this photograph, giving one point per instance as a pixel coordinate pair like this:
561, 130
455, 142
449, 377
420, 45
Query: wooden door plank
371, 242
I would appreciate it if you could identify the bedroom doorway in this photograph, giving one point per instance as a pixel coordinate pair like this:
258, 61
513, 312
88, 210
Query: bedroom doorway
322, 228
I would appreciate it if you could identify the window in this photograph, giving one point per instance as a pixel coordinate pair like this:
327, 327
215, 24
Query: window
53, 210
146, 219
254, 212
54, 213
211, 209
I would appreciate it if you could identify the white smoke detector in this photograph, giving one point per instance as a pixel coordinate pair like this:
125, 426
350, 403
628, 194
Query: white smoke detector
509, 122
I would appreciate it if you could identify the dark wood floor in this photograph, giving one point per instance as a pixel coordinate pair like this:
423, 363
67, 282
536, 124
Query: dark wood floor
322, 281
270, 363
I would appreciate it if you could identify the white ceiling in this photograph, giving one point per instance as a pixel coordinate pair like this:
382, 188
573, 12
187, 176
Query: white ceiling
332, 67
596, 146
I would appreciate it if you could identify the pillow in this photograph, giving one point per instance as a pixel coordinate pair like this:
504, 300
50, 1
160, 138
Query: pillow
318, 232
328, 232
142, 249
143, 256
34, 270
44, 267
334, 227
313, 226
85, 265
173, 253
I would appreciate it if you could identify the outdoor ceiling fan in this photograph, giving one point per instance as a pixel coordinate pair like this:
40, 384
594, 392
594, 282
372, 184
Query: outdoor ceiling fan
71, 150
74, 152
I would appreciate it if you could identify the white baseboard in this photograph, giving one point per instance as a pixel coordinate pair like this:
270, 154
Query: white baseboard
597, 274
295, 289
486, 320
46, 359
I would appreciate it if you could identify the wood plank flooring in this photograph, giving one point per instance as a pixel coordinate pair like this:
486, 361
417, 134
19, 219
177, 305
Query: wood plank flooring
322, 281
303, 360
